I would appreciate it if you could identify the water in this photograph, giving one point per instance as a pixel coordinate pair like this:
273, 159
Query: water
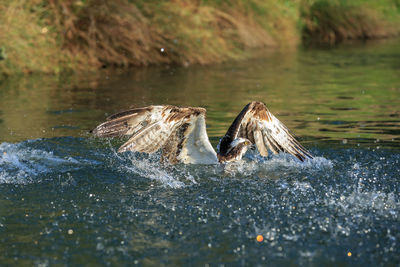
67, 198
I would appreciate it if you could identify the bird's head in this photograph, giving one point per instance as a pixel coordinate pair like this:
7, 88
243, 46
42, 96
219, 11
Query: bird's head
236, 150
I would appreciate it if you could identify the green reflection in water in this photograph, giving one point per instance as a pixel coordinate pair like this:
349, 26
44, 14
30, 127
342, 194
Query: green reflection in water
349, 92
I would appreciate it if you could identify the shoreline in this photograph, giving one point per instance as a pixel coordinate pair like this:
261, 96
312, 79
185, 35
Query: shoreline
52, 37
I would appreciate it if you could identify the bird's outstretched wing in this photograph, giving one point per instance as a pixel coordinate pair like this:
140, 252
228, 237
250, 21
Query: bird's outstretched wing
256, 123
179, 132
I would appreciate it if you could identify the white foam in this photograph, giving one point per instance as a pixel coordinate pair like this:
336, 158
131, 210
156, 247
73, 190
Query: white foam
22, 165
148, 169
286, 160
264, 167
177, 176
152, 169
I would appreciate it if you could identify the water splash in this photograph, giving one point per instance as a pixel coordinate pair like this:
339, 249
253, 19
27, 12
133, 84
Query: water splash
346, 200
20, 164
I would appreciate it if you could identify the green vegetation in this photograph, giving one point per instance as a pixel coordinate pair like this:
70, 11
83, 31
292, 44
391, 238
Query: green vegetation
334, 21
51, 36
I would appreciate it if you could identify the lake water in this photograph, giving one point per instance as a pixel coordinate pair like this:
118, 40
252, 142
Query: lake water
68, 198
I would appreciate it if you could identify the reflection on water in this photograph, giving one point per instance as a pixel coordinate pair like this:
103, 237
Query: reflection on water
66, 199
343, 93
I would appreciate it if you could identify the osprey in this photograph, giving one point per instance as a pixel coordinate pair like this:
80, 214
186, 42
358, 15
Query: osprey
181, 134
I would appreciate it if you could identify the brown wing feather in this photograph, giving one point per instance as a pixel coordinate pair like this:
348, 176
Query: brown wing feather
154, 136
130, 112
150, 128
127, 122
150, 139
173, 146
256, 123
233, 131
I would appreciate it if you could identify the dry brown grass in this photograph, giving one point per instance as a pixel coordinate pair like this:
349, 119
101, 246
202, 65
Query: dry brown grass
107, 33
86, 35
103, 33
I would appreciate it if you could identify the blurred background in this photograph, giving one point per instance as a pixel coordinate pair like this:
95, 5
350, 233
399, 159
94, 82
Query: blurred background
56, 36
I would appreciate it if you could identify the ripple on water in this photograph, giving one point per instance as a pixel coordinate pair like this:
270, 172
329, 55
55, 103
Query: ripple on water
316, 212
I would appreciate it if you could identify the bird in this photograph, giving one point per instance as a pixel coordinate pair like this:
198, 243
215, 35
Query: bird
180, 132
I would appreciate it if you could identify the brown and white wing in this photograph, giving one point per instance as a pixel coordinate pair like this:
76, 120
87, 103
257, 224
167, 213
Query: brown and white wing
256, 123
151, 138
168, 127
129, 122
149, 127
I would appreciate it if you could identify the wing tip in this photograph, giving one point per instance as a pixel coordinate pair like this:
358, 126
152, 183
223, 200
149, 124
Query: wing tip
121, 149
304, 156
130, 112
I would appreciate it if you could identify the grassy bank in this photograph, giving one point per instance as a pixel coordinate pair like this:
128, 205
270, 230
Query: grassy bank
335, 21
52, 36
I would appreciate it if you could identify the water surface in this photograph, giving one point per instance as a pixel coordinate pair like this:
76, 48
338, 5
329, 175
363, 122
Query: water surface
67, 198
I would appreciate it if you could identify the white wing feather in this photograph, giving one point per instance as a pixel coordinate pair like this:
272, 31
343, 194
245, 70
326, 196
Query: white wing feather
197, 148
